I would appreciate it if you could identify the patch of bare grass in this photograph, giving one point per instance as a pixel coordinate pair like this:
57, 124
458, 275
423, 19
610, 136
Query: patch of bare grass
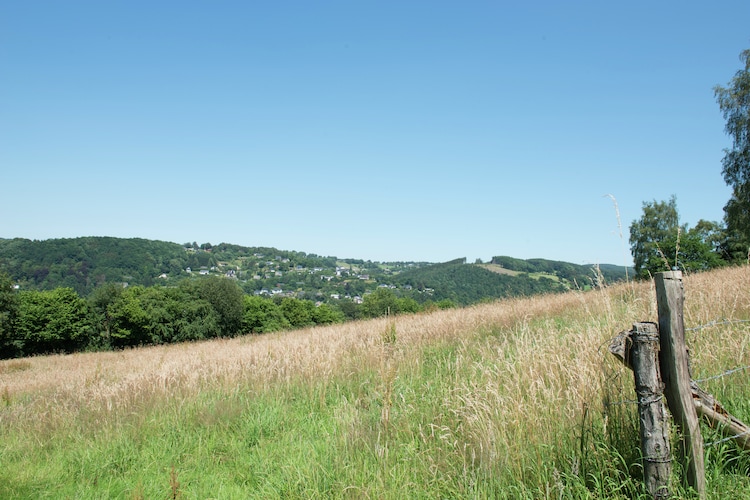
14, 365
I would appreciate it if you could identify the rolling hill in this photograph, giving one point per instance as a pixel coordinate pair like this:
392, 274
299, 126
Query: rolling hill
88, 262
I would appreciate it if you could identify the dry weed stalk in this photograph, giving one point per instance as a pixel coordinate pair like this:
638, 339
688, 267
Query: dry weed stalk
619, 229
174, 484
664, 259
388, 371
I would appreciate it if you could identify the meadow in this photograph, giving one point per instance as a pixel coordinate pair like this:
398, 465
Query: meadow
511, 399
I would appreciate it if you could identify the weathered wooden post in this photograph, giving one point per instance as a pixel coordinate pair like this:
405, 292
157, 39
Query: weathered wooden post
638, 349
654, 427
675, 372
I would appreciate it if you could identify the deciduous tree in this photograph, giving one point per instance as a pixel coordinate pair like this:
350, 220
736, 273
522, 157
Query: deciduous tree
297, 312
226, 298
54, 320
659, 243
262, 315
734, 102
647, 234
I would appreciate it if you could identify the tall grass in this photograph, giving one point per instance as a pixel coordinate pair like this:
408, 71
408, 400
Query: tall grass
513, 399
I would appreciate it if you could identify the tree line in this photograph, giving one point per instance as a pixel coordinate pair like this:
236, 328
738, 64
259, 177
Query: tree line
115, 317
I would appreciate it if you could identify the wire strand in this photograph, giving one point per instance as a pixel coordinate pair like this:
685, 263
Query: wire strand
724, 440
720, 375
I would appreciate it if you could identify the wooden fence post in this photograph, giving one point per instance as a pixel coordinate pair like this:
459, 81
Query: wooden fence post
654, 427
675, 372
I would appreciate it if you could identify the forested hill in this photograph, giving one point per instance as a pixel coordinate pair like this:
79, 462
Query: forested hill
86, 263
572, 274
468, 284
505, 277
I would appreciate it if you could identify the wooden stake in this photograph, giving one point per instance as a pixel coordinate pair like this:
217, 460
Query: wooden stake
676, 375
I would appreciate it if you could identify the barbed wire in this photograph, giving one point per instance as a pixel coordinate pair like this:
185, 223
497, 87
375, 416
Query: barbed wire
724, 440
717, 323
623, 402
714, 323
643, 401
720, 375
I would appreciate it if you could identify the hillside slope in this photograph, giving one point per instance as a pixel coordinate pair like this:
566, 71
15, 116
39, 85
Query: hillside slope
88, 262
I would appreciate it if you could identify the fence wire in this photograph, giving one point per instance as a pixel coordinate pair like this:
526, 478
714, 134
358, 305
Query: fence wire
724, 440
717, 323
720, 375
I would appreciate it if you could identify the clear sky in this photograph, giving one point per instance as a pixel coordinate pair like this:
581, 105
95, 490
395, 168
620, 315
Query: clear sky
382, 130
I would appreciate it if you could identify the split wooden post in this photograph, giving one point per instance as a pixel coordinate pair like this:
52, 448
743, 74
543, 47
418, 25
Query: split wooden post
654, 426
675, 372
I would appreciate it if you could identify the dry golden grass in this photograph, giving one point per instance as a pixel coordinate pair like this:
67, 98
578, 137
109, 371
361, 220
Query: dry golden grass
496, 268
263, 359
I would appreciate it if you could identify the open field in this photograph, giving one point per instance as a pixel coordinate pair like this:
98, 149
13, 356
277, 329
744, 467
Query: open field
513, 399
496, 268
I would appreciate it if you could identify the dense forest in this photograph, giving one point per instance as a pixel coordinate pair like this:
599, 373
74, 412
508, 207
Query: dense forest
571, 274
66, 295
86, 263
468, 284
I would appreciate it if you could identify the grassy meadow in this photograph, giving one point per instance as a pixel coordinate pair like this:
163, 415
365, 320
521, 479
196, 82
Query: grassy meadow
512, 399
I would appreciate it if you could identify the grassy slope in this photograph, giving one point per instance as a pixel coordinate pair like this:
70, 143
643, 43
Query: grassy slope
496, 268
503, 400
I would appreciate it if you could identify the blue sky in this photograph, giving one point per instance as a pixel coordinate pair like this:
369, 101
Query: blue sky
387, 131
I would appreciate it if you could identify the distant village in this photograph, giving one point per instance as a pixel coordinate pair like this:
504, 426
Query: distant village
273, 270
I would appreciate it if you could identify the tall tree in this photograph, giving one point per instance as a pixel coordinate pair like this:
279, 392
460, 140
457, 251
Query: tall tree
262, 315
659, 243
659, 220
100, 301
734, 102
225, 296
382, 302
297, 312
